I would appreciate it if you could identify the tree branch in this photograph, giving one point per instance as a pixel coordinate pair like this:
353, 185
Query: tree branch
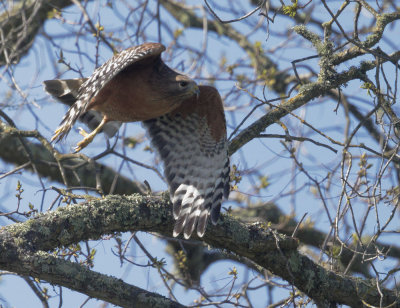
273, 251
19, 27
46, 165
77, 277
260, 61
306, 93
281, 78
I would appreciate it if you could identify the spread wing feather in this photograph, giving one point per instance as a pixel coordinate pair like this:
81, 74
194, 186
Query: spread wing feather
196, 167
66, 91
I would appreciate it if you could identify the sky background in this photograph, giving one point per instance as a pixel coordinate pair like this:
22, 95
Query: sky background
267, 156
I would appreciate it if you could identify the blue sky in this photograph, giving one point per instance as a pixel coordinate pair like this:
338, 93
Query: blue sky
267, 156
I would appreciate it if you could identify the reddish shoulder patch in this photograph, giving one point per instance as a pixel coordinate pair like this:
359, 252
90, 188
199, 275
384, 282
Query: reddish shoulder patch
208, 105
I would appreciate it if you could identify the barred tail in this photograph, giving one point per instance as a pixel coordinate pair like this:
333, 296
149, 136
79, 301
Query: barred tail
192, 208
66, 91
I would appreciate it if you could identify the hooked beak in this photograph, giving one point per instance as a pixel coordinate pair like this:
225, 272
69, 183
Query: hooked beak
196, 91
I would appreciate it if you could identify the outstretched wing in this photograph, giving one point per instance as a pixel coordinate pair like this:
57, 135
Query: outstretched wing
100, 77
192, 143
66, 91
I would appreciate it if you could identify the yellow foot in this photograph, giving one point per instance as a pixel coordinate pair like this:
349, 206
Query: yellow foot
83, 132
88, 139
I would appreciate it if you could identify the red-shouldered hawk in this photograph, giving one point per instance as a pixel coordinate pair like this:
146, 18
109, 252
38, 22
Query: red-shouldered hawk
189, 132
134, 85
191, 141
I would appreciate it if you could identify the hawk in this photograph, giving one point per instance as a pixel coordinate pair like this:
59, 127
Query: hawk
134, 85
187, 130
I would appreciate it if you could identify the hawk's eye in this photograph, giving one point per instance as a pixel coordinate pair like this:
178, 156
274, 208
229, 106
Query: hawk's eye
183, 84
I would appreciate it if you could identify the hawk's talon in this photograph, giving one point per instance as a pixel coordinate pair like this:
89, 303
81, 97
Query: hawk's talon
89, 137
83, 143
83, 132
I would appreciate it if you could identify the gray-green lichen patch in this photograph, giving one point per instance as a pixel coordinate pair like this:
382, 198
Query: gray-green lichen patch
239, 233
64, 237
310, 281
307, 34
294, 263
152, 301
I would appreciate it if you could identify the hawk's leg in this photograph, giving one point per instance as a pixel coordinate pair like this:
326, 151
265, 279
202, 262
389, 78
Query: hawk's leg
89, 137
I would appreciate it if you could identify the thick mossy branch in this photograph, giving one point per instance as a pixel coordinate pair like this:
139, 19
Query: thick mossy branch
92, 219
12, 151
273, 251
309, 235
44, 266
